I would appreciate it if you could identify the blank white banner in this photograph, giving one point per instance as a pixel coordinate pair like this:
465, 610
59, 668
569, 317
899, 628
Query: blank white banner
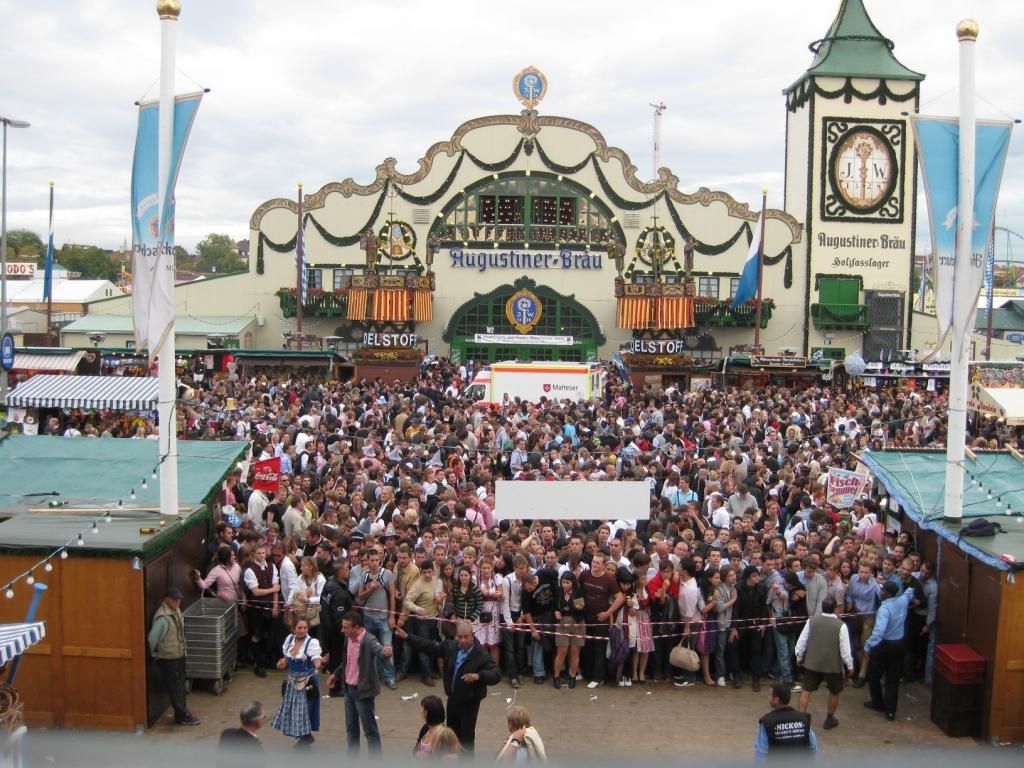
572, 500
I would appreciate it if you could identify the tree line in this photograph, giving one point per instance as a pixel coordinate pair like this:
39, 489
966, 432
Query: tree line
212, 254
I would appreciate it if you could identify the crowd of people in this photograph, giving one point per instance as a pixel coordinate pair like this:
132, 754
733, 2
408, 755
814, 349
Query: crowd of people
385, 517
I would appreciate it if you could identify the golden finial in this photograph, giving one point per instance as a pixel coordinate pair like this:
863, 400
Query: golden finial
967, 30
300, 185
168, 9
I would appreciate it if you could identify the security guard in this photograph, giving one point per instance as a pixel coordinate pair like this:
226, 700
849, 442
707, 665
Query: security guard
784, 730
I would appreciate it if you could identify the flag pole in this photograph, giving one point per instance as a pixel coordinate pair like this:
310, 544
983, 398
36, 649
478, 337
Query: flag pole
956, 429
168, 11
300, 266
48, 277
760, 273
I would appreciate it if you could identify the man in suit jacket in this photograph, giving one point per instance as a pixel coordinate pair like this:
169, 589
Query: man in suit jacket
468, 670
357, 671
241, 746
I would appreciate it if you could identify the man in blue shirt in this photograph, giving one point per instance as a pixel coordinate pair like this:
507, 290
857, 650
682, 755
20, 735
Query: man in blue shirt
887, 646
863, 596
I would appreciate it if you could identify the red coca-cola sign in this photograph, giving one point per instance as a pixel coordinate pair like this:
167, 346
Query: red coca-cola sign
266, 475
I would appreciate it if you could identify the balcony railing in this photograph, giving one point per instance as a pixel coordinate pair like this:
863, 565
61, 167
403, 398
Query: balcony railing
319, 303
721, 313
841, 317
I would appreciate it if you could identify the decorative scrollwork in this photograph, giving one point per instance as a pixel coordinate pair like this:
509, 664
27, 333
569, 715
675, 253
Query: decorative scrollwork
834, 130
834, 206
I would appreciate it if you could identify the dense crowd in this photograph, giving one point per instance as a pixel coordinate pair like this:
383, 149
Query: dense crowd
386, 509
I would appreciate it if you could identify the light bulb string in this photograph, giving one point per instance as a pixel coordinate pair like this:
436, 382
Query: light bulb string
78, 539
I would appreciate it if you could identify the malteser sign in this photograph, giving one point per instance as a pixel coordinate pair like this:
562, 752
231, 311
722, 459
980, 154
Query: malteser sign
390, 339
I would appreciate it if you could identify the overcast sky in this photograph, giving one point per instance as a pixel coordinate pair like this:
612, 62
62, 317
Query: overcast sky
320, 90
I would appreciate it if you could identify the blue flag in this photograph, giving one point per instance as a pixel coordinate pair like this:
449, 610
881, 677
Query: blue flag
48, 262
747, 289
152, 233
938, 145
304, 282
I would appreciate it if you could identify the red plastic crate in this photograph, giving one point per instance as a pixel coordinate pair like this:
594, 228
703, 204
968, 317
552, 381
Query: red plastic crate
958, 677
960, 662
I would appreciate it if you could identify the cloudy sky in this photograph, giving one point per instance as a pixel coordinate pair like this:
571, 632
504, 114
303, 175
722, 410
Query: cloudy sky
320, 90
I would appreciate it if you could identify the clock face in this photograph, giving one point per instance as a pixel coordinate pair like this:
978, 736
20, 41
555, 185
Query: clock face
864, 169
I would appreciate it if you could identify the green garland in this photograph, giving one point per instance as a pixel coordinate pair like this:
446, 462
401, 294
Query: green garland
565, 170
706, 248
501, 165
621, 202
797, 97
345, 241
437, 194
744, 230
279, 247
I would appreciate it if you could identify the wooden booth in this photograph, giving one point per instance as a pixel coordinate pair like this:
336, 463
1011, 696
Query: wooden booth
981, 579
93, 670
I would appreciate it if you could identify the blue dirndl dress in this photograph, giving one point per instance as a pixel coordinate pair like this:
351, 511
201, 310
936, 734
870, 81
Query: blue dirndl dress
299, 716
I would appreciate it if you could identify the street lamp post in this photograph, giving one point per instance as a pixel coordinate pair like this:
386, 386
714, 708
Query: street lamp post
7, 122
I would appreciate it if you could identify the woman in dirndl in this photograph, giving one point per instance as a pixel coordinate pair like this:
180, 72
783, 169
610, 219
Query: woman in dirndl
487, 630
299, 714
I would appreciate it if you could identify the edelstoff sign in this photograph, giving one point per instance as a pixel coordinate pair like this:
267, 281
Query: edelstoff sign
659, 346
390, 339
778, 361
21, 269
548, 260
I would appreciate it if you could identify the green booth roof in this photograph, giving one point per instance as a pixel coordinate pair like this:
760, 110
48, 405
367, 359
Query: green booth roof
917, 481
95, 474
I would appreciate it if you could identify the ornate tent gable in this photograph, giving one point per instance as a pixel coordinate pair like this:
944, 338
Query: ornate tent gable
529, 124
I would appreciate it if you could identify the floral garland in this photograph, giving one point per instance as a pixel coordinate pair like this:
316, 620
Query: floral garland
373, 354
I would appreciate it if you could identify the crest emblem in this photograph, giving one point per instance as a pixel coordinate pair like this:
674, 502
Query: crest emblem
547, 387
530, 86
396, 241
524, 310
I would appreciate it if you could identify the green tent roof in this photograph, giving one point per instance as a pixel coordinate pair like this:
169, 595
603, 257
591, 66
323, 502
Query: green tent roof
1009, 317
96, 474
184, 325
917, 481
853, 47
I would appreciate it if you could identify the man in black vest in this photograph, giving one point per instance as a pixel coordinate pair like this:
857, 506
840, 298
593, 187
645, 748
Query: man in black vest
468, 670
262, 589
823, 649
784, 731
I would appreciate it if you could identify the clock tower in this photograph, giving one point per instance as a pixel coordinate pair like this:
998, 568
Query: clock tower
851, 176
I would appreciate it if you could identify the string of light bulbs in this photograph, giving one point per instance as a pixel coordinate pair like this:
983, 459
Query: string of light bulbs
78, 540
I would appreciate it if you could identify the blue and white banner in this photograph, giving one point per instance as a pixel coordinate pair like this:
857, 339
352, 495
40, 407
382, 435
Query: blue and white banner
48, 261
938, 145
747, 289
153, 234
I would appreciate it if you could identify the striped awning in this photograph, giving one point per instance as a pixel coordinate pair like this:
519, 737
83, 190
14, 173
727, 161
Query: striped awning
31, 361
15, 638
120, 393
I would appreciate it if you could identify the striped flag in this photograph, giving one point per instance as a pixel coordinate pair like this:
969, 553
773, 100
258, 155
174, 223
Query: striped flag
304, 281
48, 263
